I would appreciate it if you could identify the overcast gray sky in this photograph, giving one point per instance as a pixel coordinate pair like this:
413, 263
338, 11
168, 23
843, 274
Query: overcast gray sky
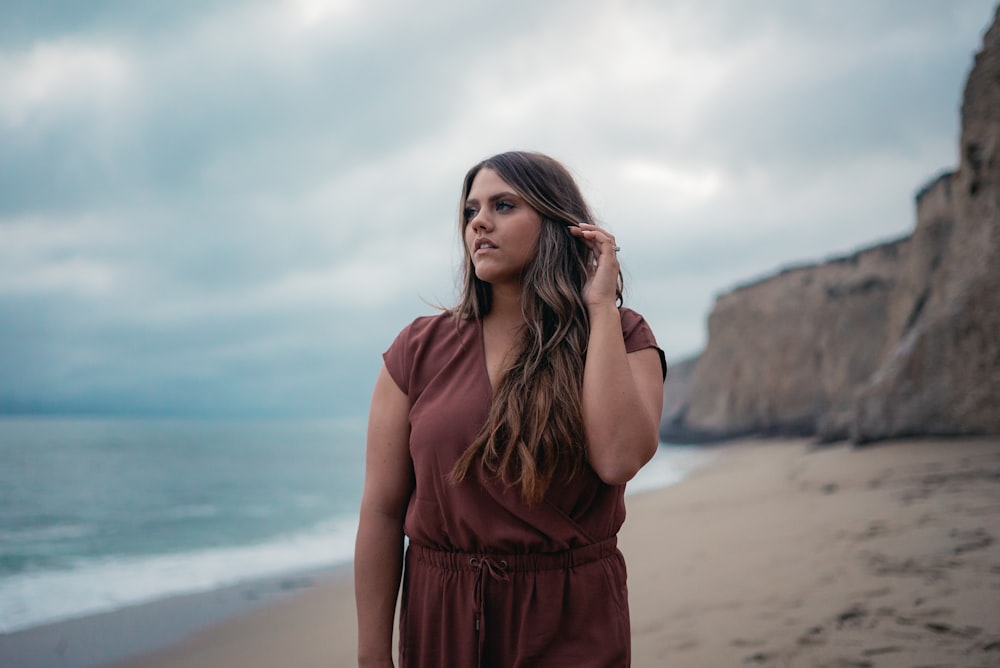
231, 208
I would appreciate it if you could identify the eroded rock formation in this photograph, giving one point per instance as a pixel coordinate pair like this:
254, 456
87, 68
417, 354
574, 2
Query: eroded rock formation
899, 339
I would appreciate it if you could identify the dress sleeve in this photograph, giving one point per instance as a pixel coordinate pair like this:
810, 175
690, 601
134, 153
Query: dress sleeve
638, 335
399, 359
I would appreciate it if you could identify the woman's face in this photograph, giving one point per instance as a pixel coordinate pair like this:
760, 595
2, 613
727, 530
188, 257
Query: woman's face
501, 229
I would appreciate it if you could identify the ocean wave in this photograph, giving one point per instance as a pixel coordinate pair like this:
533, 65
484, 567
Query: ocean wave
193, 511
91, 586
35, 534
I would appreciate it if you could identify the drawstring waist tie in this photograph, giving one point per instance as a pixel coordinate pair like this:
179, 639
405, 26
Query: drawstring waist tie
513, 563
499, 567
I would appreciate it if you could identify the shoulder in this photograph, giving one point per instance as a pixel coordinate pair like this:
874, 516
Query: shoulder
430, 329
634, 324
639, 335
629, 317
423, 346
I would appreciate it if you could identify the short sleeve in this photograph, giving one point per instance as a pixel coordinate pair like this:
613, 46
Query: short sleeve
638, 335
399, 359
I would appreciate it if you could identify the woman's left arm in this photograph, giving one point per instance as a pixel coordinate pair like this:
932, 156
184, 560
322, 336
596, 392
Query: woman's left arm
622, 394
622, 399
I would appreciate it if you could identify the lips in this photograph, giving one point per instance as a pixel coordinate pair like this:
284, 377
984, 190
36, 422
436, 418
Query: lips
482, 243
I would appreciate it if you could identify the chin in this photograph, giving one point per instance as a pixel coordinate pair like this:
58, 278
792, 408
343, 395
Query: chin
493, 274
484, 274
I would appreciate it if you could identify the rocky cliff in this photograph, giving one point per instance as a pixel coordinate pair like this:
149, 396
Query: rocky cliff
899, 339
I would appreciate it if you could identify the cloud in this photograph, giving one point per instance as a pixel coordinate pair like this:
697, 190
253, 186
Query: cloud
52, 77
231, 207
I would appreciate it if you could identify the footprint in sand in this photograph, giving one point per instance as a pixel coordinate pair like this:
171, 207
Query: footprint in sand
852, 617
743, 642
878, 651
970, 541
759, 657
814, 636
948, 629
844, 662
874, 529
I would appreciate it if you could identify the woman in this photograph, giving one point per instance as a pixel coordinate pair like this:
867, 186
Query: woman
500, 438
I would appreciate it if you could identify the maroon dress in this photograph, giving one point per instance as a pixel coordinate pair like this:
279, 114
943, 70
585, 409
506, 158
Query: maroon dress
490, 580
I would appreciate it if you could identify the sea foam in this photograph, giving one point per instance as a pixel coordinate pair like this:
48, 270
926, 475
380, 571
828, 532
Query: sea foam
92, 586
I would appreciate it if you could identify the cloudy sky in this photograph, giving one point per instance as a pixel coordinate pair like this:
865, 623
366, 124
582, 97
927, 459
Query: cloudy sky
231, 207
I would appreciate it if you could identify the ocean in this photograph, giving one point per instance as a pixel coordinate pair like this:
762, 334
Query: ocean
98, 514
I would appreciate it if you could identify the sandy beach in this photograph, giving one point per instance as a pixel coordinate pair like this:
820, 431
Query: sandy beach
777, 553
783, 556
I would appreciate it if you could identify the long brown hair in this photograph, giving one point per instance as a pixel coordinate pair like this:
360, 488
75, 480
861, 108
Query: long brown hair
535, 422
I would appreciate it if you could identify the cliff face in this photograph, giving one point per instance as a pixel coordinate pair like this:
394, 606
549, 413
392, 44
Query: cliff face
944, 374
786, 349
899, 339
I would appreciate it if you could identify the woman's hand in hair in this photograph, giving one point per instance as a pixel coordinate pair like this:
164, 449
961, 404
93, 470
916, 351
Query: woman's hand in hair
602, 282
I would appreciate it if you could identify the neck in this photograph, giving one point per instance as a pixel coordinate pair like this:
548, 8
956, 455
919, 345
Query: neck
506, 306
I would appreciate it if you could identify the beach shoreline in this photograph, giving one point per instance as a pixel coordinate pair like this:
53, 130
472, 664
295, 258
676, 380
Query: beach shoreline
137, 630
160, 619
775, 553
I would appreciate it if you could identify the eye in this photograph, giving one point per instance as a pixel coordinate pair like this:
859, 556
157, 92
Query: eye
469, 213
504, 206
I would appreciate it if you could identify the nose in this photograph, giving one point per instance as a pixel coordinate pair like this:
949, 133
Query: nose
481, 221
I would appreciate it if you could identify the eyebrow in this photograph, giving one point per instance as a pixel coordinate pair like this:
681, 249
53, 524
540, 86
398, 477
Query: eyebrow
498, 196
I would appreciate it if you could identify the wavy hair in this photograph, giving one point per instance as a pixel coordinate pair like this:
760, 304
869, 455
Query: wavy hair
535, 422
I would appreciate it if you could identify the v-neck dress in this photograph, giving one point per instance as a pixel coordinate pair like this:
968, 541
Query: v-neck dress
490, 580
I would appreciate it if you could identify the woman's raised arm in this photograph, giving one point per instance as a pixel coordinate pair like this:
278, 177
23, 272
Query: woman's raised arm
621, 400
622, 393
